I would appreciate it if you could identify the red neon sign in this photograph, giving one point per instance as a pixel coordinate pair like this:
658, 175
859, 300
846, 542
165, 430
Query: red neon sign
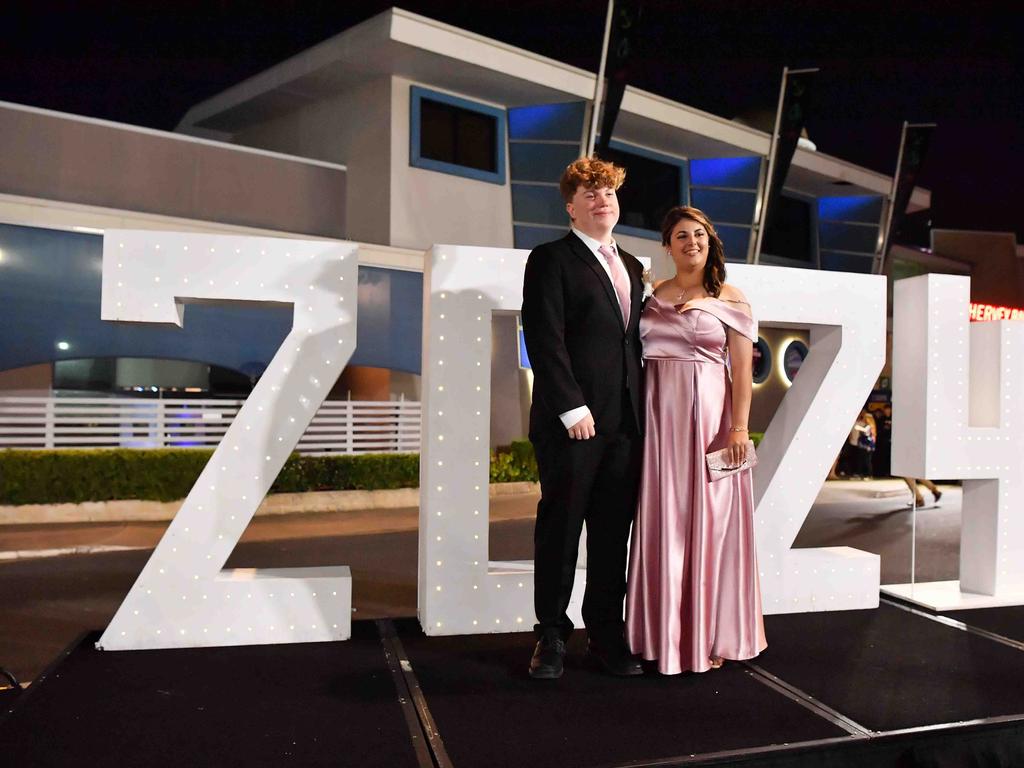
982, 313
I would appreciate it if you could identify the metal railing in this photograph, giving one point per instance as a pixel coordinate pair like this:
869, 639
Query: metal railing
340, 426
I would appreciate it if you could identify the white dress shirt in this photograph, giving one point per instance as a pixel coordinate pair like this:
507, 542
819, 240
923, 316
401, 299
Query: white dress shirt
571, 418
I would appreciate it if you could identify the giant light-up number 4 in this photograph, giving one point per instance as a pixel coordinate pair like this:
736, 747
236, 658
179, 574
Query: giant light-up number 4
957, 393
460, 592
182, 598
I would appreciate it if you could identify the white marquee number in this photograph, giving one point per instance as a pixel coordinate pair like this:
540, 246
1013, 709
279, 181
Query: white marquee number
846, 316
461, 592
957, 394
182, 598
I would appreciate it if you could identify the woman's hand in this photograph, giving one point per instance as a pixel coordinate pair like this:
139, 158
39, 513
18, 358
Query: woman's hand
737, 447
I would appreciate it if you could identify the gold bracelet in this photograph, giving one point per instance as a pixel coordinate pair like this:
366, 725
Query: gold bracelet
737, 429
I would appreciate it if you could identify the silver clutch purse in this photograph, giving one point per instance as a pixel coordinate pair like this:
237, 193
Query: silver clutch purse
719, 466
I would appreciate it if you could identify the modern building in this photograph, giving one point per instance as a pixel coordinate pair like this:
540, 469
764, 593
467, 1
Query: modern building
398, 133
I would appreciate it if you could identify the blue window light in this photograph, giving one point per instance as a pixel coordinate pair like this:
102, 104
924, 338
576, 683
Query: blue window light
866, 209
547, 122
524, 356
463, 113
728, 172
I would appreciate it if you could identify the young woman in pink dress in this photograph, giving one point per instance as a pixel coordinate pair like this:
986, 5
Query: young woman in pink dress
693, 596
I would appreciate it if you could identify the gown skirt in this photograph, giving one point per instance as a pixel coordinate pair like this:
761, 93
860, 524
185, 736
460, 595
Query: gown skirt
693, 588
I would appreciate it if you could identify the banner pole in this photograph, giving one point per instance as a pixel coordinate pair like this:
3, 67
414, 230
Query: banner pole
913, 540
794, 116
913, 149
762, 203
599, 84
878, 267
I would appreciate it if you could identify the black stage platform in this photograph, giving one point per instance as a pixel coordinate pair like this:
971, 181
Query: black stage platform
894, 686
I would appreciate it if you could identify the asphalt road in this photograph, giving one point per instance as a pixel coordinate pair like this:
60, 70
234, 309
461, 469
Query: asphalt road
47, 602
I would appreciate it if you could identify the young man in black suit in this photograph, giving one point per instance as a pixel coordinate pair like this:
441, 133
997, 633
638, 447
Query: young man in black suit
581, 309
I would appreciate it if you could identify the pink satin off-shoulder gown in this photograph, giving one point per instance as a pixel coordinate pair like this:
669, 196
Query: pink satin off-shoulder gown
693, 589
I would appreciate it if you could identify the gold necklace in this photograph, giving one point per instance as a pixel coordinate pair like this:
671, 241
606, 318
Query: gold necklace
683, 297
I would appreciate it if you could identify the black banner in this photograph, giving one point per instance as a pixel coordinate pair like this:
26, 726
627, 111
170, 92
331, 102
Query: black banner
621, 54
915, 147
795, 102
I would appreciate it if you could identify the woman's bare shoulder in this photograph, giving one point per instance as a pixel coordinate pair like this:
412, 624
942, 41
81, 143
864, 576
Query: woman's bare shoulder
734, 295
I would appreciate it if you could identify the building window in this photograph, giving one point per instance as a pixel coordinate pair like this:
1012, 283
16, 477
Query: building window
654, 183
725, 188
762, 361
456, 136
792, 358
790, 232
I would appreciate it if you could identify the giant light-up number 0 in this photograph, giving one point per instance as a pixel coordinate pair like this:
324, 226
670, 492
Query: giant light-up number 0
182, 598
461, 592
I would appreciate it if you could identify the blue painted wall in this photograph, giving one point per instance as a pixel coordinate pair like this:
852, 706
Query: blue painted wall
50, 292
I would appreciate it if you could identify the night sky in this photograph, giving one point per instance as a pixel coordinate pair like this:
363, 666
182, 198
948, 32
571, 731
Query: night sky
954, 64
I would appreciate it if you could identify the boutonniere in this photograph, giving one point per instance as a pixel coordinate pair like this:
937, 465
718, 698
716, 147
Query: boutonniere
648, 278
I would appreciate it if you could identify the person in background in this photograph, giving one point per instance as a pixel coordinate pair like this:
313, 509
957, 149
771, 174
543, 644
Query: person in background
862, 441
912, 484
883, 449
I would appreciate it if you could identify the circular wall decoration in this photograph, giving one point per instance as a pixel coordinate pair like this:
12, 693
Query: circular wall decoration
793, 358
762, 366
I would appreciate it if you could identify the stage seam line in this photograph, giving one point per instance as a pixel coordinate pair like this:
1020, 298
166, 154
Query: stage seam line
807, 701
419, 700
994, 720
702, 757
386, 632
800, 746
956, 624
33, 685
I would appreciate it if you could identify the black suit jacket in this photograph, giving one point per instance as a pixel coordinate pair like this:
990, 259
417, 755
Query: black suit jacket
579, 348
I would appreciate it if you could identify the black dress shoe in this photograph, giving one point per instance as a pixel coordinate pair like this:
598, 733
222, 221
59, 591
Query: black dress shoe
546, 663
615, 659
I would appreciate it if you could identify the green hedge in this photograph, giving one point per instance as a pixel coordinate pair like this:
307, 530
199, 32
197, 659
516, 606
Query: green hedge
514, 463
367, 472
54, 477
50, 477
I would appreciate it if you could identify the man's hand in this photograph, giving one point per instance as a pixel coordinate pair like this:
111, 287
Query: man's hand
582, 429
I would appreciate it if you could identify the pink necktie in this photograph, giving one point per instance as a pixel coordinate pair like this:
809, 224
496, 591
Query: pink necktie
619, 280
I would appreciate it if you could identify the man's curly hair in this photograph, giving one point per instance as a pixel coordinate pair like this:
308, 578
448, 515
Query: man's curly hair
592, 173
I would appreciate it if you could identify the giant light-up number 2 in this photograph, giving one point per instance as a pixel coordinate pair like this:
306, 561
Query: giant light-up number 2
846, 317
460, 592
182, 598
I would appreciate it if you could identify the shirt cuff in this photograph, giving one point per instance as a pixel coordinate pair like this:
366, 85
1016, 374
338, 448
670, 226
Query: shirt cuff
570, 418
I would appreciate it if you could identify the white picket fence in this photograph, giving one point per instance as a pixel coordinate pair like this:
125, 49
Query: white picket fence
340, 426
